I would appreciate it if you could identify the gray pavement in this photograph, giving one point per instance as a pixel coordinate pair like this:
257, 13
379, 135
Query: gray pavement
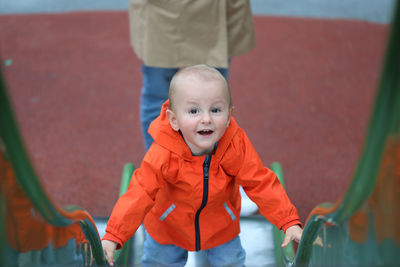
56, 6
379, 11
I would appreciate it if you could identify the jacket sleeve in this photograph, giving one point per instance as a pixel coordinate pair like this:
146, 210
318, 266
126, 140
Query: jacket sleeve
131, 208
263, 187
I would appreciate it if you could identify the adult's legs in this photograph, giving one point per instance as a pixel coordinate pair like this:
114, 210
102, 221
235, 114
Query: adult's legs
224, 72
154, 93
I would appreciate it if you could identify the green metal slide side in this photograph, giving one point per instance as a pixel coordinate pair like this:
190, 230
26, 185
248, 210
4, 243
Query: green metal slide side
361, 228
28, 181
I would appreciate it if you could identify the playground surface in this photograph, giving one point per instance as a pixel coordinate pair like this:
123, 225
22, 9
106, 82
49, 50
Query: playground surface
303, 96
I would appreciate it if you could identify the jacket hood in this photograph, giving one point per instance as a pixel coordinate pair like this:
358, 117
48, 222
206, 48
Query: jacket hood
163, 134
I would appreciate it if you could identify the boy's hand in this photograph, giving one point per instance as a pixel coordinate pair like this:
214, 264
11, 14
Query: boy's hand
109, 248
292, 233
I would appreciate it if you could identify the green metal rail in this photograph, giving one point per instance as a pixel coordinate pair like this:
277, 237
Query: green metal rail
283, 256
124, 257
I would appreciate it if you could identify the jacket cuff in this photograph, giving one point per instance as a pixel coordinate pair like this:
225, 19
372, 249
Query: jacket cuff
289, 224
113, 238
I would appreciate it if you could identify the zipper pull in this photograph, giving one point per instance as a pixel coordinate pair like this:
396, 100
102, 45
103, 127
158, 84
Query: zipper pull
206, 174
206, 166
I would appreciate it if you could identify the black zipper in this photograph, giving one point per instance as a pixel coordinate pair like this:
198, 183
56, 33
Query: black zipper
206, 167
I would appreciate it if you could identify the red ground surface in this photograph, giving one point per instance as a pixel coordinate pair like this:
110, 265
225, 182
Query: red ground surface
304, 97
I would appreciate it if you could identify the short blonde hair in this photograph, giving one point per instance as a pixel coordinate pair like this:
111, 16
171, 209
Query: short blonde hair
201, 71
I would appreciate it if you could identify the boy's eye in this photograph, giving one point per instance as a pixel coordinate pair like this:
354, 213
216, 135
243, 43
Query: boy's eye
215, 110
193, 111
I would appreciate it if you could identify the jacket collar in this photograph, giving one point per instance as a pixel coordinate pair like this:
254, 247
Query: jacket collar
163, 134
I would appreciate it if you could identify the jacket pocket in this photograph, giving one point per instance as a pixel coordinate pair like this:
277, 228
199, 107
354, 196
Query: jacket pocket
230, 211
167, 212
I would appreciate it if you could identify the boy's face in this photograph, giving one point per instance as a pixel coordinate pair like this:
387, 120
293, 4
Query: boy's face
201, 111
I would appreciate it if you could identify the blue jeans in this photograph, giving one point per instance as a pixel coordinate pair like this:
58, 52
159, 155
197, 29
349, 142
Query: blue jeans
154, 93
155, 254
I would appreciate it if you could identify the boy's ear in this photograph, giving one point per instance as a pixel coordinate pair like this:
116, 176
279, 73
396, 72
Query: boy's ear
230, 115
172, 119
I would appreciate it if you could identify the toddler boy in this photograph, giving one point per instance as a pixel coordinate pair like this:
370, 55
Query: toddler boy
187, 188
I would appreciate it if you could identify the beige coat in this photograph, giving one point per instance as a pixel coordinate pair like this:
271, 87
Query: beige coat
177, 33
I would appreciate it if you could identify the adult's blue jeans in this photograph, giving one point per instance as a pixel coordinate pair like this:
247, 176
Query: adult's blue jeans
154, 93
229, 254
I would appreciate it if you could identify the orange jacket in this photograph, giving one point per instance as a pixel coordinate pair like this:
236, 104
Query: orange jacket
194, 201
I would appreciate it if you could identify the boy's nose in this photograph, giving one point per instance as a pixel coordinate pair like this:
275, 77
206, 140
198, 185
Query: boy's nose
206, 118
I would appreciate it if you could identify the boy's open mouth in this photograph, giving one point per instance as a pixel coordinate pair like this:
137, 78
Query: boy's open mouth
205, 132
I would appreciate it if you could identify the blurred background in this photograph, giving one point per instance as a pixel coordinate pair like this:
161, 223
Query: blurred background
303, 95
